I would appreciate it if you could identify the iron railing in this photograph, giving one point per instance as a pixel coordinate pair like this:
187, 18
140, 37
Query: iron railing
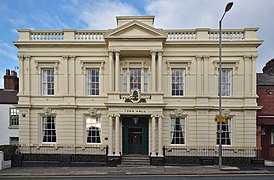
212, 151
64, 149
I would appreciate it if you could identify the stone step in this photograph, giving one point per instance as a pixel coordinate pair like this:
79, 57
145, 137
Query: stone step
135, 160
135, 155
134, 166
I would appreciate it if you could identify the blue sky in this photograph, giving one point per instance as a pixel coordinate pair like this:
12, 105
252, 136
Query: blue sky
100, 14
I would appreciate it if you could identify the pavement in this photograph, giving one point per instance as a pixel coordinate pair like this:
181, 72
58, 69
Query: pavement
135, 171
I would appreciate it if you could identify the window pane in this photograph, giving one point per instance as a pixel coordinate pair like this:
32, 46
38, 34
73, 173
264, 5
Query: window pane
226, 82
124, 80
93, 81
177, 131
226, 133
48, 129
14, 117
135, 78
177, 82
93, 129
145, 80
48, 81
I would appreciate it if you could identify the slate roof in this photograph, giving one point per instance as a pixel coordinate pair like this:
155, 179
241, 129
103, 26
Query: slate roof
8, 97
265, 79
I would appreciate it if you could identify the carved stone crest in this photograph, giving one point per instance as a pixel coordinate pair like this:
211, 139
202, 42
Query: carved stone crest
47, 111
92, 111
135, 96
178, 113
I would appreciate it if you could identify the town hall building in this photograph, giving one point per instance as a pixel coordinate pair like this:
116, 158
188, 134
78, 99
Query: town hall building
136, 90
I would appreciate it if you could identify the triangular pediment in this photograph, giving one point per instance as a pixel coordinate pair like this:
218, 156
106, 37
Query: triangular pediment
135, 29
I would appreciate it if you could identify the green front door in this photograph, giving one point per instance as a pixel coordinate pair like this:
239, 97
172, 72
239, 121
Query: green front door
135, 136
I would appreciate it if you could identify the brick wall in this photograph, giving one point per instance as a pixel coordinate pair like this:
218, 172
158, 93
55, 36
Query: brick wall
266, 99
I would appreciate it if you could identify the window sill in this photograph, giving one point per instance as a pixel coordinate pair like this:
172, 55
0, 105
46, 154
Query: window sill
13, 127
223, 145
48, 143
177, 145
93, 143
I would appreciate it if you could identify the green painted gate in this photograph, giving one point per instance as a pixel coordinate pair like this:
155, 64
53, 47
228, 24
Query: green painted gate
135, 136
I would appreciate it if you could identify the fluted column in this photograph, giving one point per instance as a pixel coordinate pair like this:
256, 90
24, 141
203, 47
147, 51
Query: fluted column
153, 70
21, 72
117, 70
110, 139
160, 138
160, 62
153, 143
117, 126
111, 66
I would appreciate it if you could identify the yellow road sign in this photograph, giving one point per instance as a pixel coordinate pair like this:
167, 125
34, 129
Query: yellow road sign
221, 119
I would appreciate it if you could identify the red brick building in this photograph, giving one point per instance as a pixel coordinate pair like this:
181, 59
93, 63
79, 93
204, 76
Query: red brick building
265, 116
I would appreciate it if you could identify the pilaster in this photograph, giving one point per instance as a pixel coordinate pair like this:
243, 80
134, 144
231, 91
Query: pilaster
72, 90
160, 71
160, 137
110, 139
28, 80
253, 76
153, 143
111, 66
21, 76
206, 79
247, 76
199, 76
117, 133
153, 70
117, 71
66, 75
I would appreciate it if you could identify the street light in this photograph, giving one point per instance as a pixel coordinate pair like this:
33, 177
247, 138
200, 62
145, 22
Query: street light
227, 8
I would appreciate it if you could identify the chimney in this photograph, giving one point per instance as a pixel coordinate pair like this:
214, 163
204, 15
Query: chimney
269, 67
11, 81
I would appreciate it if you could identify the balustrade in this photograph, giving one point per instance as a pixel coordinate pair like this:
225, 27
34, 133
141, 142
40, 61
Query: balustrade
181, 35
89, 36
172, 35
226, 35
46, 35
60, 35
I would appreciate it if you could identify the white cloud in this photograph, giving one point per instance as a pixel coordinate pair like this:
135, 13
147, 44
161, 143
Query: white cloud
183, 14
100, 14
48, 21
8, 51
16, 21
204, 13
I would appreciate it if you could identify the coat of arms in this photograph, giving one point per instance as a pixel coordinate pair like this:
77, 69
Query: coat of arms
135, 96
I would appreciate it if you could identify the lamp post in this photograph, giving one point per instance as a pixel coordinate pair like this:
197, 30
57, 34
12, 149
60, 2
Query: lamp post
227, 8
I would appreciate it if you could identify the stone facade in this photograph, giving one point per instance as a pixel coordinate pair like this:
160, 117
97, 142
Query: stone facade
175, 78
